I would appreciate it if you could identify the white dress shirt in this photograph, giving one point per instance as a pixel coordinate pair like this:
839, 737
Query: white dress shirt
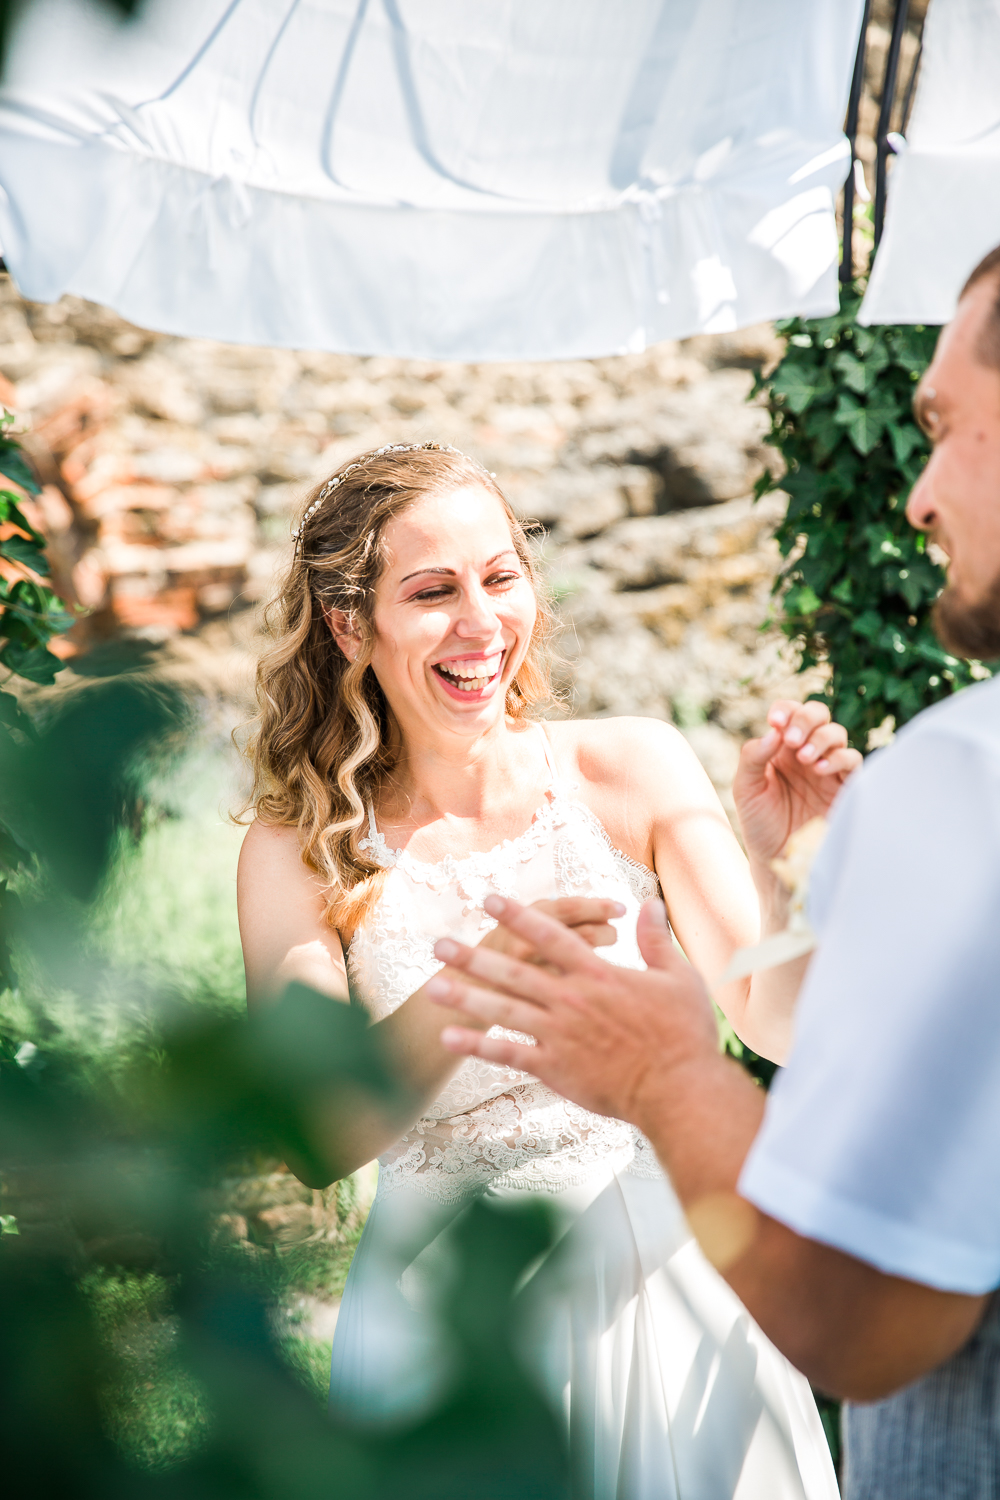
882, 1135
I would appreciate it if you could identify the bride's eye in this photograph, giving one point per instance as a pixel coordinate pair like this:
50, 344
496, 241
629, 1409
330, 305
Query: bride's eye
432, 596
502, 580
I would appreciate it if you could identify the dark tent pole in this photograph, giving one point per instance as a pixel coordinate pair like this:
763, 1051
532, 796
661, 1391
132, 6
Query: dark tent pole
885, 113
851, 130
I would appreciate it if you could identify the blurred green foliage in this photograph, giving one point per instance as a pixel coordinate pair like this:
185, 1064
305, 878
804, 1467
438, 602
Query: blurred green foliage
858, 585
136, 1354
760, 1068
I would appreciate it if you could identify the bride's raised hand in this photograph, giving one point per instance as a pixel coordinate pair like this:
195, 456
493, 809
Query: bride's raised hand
789, 775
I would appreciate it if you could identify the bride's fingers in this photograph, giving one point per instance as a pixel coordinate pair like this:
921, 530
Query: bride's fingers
824, 740
580, 911
816, 741
796, 722
840, 763
554, 942
781, 712
597, 936
491, 1049
487, 1006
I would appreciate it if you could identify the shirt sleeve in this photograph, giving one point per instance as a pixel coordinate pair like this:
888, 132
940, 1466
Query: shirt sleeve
882, 1135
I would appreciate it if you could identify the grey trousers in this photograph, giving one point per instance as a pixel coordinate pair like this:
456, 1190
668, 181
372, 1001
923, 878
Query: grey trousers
938, 1439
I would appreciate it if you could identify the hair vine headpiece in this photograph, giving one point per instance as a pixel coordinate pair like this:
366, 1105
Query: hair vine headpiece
331, 484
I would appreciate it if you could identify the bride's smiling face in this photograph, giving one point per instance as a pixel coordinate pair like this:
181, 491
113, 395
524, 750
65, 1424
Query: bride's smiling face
454, 612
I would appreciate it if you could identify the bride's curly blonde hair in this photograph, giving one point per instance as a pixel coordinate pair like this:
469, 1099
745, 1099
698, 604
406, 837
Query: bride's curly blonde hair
321, 747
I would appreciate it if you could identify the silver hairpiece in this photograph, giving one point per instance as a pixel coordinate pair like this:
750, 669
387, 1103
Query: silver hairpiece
331, 484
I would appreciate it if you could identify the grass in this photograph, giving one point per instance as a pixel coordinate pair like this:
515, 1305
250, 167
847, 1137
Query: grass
162, 936
309, 1361
170, 908
154, 1407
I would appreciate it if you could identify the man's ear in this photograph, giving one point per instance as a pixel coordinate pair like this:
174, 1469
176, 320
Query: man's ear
343, 631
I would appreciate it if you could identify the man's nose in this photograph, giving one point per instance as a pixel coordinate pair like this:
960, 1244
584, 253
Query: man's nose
920, 511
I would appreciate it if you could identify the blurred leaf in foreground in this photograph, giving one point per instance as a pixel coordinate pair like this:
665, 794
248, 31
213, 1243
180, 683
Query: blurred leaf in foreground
111, 1187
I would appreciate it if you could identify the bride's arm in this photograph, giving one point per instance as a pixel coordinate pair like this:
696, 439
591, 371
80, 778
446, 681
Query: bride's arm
285, 938
658, 796
712, 901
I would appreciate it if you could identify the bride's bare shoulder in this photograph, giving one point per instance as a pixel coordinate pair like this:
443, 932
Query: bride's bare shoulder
603, 751
272, 850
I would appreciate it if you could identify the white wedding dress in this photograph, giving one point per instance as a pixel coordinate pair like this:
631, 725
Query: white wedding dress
669, 1389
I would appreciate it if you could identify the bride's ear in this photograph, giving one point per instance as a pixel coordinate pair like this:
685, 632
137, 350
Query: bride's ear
342, 629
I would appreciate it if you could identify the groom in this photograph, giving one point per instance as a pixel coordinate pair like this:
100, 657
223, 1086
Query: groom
857, 1215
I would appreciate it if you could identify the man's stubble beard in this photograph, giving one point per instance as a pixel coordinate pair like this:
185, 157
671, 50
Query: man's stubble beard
969, 630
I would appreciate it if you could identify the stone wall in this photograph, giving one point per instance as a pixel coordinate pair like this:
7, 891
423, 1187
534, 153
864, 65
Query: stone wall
173, 470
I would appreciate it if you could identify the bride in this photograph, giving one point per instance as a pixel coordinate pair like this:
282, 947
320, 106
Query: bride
402, 775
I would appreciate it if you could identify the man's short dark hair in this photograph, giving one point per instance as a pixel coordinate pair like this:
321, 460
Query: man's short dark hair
988, 346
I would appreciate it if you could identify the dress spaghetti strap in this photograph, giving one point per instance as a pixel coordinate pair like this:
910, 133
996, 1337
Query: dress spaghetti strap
555, 780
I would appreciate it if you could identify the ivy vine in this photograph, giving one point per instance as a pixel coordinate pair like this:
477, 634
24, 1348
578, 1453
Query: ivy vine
30, 615
858, 585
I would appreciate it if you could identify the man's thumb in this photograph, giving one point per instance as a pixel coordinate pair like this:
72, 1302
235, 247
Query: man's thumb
655, 941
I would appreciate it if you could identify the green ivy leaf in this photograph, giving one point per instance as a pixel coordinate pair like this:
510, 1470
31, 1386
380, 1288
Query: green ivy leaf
913, 347
34, 663
868, 624
11, 511
883, 547
15, 466
865, 339
18, 549
905, 437
861, 376
872, 681
803, 601
865, 424
799, 385
826, 434
827, 328
852, 372
912, 587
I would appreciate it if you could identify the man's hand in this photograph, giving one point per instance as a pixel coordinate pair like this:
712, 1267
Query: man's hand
643, 1047
607, 1037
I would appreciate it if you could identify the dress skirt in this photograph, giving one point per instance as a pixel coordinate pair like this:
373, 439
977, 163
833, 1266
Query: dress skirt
669, 1389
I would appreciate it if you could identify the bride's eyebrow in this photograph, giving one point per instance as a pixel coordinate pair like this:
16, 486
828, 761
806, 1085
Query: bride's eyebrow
450, 572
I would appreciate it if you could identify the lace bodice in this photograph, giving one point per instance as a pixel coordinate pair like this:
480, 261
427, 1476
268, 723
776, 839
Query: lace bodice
491, 1124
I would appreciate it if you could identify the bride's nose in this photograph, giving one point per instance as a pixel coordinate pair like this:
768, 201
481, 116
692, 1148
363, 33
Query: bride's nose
477, 616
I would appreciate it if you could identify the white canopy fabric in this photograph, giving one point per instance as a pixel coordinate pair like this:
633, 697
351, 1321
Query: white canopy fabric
527, 179
943, 205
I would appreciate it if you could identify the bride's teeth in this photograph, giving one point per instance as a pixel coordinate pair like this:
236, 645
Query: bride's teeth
476, 670
474, 677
